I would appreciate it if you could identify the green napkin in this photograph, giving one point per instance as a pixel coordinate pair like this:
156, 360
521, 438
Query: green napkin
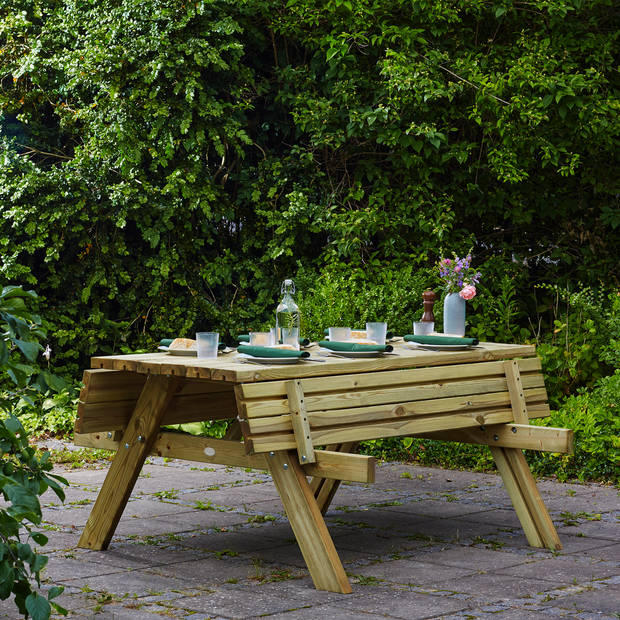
354, 346
166, 342
270, 351
470, 342
388, 335
304, 342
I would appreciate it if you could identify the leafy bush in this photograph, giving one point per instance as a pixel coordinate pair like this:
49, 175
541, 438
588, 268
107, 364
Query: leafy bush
23, 476
595, 418
163, 166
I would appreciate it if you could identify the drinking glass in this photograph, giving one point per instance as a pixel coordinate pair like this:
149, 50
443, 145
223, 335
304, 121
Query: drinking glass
423, 328
262, 339
376, 332
339, 334
290, 336
206, 343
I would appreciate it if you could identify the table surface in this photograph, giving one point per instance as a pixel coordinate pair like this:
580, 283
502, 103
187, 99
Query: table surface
228, 368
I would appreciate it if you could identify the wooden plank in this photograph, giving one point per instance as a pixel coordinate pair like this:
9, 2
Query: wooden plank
102, 385
299, 420
474, 405
535, 505
358, 381
335, 465
518, 501
329, 465
324, 489
381, 396
401, 358
137, 442
391, 428
105, 416
522, 436
516, 387
308, 525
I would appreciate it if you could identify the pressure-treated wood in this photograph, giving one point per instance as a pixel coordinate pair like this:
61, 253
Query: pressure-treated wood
299, 420
522, 436
535, 520
329, 464
389, 428
226, 368
323, 488
516, 388
307, 522
286, 412
108, 399
388, 378
137, 441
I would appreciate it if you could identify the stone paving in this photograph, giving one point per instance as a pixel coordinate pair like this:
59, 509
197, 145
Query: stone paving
213, 542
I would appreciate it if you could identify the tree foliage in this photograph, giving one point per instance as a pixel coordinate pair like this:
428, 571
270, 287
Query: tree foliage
163, 165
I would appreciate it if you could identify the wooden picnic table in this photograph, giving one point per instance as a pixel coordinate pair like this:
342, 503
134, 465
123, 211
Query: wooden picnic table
284, 414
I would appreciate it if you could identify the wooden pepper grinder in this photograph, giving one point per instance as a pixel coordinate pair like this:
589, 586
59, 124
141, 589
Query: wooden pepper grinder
429, 298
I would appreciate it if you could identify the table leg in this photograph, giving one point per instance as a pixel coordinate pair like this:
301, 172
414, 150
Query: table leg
324, 489
135, 445
521, 486
307, 522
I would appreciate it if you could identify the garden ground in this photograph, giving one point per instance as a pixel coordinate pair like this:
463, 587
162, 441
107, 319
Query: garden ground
213, 542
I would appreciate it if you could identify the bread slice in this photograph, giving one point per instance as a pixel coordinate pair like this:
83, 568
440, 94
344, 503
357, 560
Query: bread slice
183, 344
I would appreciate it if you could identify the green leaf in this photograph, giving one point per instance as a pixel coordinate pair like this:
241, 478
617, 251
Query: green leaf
29, 349
38, 607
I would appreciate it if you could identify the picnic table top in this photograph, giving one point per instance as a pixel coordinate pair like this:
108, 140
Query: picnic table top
228, 368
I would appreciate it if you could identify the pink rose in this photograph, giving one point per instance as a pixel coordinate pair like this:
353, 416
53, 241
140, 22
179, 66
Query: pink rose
468, 291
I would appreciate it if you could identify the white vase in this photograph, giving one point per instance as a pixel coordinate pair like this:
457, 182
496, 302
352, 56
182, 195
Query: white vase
454, 315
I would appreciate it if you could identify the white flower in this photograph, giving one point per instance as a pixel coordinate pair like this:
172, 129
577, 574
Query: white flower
47, 353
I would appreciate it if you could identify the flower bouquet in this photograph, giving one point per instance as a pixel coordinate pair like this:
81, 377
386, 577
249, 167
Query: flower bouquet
460, 282
458, 276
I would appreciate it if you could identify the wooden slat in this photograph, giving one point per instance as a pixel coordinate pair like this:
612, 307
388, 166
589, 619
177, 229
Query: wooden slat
125, 468
381, 396
299, 421
388, 378
114, 385
308, 525
392, 428
335, 465
474, 405
522, 436
226, 368
329, 464
105, 416
516, 387
325, 489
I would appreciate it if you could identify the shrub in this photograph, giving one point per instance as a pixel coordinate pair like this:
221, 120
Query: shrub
23, 476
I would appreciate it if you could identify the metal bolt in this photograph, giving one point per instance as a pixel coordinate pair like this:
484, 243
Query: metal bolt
126, 446
469, 403
303, 457
272, 454
514, 429
140, 438
109, 435
495, 437
285, 466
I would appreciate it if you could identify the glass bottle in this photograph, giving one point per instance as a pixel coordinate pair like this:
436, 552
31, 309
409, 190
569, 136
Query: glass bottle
287, 316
